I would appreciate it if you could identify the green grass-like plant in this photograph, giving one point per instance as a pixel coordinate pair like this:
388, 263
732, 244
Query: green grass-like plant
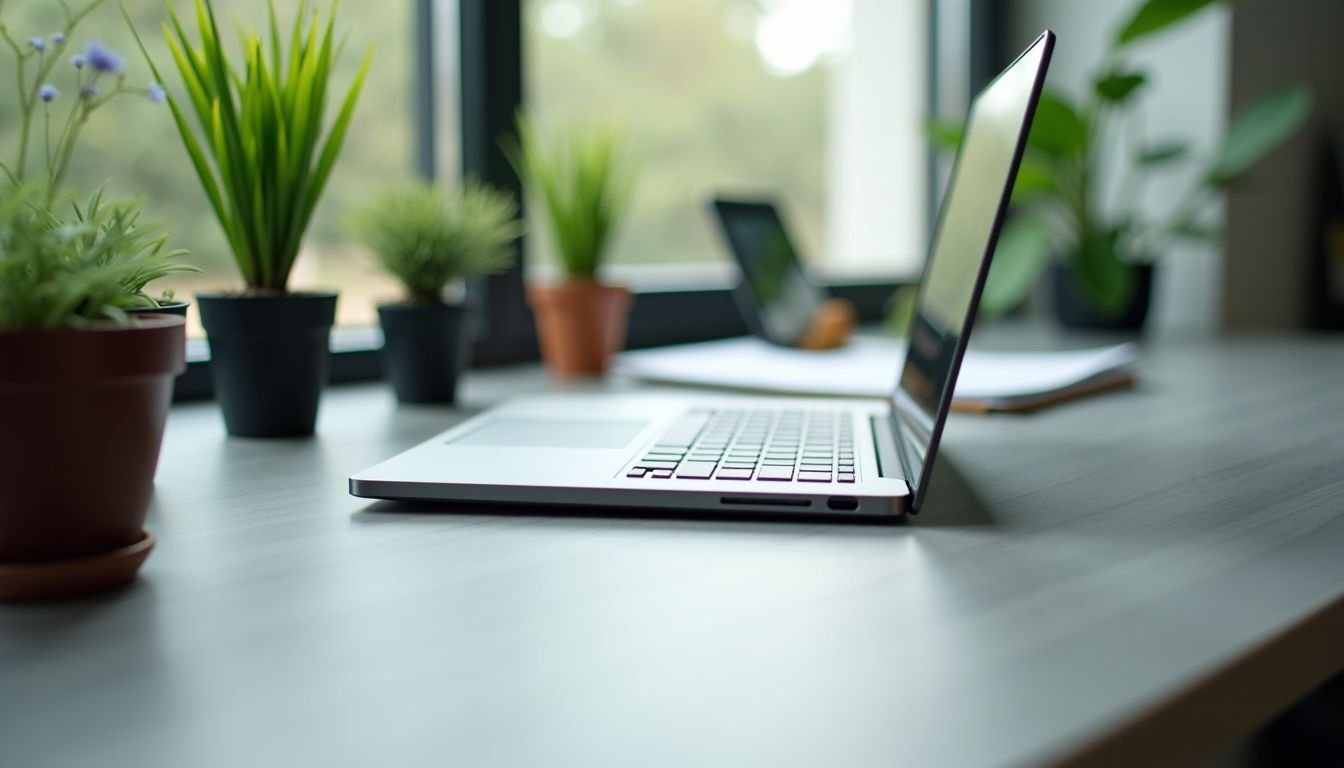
91, 268
582, 182
429, 237
259, 143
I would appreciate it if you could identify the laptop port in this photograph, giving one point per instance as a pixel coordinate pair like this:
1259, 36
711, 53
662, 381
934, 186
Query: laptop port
842, 503
769, 501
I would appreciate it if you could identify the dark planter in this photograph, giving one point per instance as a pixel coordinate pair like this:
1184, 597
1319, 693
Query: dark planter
425, 347
1075, 309
83, 413
178, 308
268, 359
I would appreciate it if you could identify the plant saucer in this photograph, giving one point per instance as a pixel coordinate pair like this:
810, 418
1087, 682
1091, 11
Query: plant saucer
61, 579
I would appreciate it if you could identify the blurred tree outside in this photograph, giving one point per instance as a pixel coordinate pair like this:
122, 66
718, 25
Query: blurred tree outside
702, 110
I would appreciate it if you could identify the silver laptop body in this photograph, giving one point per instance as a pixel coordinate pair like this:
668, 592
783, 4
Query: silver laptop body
746, 454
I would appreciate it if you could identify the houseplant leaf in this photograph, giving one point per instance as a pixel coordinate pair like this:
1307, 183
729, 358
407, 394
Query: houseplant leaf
1119, 86
1258, 130
1157, 15
1034, 181
1057, 129
1020, 257
1107, 280
1163, 154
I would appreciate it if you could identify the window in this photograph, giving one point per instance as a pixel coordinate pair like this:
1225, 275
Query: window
819, 103
133, 145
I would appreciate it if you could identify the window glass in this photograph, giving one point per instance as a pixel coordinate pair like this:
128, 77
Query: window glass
816, 103
133, 147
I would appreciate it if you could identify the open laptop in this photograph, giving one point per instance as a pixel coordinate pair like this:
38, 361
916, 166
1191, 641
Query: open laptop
742, 455
776, 299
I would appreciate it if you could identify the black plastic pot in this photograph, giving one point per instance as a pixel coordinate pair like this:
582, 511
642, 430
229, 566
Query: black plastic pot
425, 348
1075, 308
268, 359
177, 308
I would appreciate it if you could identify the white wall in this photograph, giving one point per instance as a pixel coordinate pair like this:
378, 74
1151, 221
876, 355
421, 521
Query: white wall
1186, 98
875, 143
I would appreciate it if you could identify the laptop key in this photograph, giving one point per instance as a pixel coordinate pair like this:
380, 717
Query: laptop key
845, 477
637, 472
660, 474
811, 476
697, 470
734, 473
774, 472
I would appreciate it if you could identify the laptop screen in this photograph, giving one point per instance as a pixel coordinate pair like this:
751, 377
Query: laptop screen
968, 226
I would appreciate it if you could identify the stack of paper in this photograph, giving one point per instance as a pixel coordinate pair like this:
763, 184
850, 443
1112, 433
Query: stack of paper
868, 367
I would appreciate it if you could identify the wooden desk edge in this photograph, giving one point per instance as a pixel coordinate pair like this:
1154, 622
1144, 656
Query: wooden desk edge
1232, 700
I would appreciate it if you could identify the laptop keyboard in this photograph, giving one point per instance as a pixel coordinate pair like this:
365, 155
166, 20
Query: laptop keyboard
753, 445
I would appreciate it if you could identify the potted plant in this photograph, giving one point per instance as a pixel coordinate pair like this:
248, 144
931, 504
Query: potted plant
263, 150
1101, 261
84, 386
584, 188
431, 239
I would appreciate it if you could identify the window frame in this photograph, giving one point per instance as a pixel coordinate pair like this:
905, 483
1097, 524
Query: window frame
490, 49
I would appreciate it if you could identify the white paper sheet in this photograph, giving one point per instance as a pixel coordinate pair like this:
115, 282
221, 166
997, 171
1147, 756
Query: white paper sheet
866, 367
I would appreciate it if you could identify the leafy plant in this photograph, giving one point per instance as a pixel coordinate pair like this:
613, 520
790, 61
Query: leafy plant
259, 144
1056, 197
583, 184
111, 234
95, 263
428, 237
55, 273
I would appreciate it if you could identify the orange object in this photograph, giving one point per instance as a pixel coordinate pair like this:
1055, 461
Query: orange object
580, 324
831, 326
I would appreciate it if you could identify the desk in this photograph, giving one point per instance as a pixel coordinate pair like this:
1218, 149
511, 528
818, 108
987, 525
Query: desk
1135, 579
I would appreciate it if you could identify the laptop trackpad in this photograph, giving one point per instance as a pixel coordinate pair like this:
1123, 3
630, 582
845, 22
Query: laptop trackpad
552, 433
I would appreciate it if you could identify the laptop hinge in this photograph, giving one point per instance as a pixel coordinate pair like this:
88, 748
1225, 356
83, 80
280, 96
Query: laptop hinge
891, 461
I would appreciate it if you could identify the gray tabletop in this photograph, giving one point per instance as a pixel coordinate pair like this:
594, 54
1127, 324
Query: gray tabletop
1141, 576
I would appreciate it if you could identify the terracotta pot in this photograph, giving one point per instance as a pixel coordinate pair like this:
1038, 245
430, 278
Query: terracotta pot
83, 413
580, 324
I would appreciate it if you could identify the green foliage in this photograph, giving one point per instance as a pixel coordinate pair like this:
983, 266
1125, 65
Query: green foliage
1259, 129
110, 234
91, 268
428, 237
259, 144
583, 184
93, 263
1157, 15
1055, 199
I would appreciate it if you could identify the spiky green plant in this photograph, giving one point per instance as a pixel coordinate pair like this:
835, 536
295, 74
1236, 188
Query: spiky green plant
91, 268
260, 143
112, 232
429, 237
583, 182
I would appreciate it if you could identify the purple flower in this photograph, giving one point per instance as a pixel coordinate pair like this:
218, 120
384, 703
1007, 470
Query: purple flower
157, 94
88, 91
79, 60
37, 44
57, 38
48, 93
103, 59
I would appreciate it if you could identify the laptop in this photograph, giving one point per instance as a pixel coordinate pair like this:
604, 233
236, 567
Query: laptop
747, 455
774, 296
